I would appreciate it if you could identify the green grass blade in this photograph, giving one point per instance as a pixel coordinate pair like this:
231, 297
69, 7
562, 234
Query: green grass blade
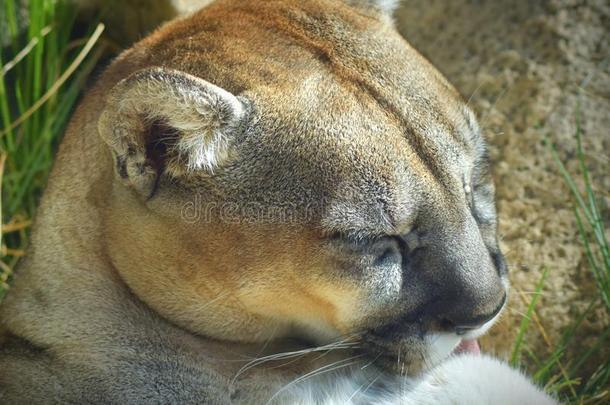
525, 322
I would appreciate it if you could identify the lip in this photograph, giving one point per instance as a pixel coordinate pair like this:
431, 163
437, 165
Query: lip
413, 362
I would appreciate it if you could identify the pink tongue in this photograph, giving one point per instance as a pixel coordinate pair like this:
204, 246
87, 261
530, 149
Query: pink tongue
468, 346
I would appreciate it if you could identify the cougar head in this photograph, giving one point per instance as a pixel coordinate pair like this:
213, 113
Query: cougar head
296, 169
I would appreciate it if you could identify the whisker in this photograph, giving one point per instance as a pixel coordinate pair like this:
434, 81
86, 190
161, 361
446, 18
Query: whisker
261, 351
324, 369
213, 300
398, 358
523, 314
297, 358
285, 355
342, 341
277, 356
548, 294
370, 384
473, 93
371, 362
485, 118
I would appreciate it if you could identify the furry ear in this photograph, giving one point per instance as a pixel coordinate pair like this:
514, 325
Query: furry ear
385, 6
159, 120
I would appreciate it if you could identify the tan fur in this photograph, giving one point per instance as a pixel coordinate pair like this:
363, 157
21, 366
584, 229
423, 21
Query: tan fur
317, 106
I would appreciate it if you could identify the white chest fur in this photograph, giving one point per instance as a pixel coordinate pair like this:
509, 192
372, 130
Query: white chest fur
464, 379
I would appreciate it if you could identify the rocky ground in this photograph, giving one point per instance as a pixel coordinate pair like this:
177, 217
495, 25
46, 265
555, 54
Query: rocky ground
529, 69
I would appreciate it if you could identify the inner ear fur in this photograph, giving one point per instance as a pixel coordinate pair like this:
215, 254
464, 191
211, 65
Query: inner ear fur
160, 120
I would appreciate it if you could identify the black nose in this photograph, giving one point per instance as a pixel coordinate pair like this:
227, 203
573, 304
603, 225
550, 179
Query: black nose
462, 325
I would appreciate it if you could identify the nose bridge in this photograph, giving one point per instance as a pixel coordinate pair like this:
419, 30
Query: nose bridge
467, 253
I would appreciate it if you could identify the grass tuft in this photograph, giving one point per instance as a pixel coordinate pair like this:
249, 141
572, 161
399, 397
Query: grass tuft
525, 322
564, 370
43, 69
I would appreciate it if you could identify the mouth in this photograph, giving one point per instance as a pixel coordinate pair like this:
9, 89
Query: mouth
468, 346
413, 363
410, 351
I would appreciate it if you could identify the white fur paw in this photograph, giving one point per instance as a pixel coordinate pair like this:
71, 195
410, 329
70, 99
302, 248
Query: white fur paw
460, 380
468, 379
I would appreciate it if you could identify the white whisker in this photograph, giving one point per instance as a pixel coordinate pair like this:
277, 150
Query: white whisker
370, 384
324, 369
297, 353
371, 362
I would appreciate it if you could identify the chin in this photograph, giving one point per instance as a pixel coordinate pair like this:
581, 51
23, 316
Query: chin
414, 356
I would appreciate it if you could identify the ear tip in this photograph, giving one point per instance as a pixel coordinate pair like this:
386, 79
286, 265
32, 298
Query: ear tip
230, 106
199, 120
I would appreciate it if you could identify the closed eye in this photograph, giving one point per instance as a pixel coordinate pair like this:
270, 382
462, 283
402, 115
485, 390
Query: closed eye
357, 237
382, 249
388, 255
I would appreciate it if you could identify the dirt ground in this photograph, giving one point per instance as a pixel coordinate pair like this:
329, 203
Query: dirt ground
525, 67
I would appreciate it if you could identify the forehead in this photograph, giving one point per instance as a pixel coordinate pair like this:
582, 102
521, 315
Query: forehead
345, 112
366, 164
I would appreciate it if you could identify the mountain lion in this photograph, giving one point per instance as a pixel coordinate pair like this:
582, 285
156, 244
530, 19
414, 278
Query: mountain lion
265, 202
